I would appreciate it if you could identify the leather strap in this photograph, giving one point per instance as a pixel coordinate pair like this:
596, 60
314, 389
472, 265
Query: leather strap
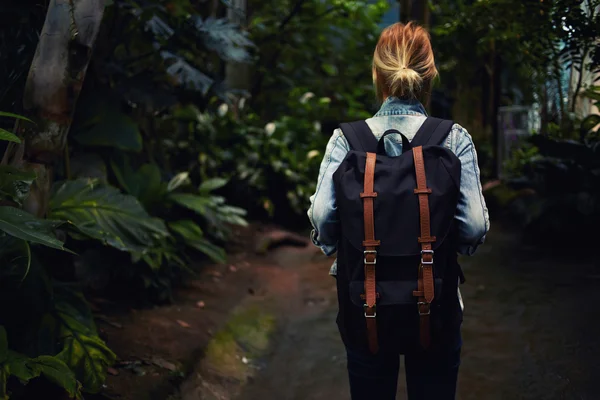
433, 132
359, 136
425, 290
370, 254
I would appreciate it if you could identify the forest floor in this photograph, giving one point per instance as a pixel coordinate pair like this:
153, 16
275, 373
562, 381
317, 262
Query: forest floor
263, 328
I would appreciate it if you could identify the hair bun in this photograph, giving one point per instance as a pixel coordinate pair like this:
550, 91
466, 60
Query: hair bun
403, 63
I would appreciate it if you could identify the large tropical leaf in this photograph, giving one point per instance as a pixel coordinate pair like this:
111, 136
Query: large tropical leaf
23, 225
214, 210
185, 74
25, 369
57, 372
193, 236
224, 37
101, 212
145, 184
15, 183
83, 352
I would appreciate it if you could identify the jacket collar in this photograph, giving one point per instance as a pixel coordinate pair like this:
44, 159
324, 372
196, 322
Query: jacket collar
396, 106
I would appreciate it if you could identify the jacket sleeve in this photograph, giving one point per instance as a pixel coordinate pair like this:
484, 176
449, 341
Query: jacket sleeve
323, 211
471, 214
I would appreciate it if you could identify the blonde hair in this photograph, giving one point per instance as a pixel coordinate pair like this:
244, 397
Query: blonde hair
403, 62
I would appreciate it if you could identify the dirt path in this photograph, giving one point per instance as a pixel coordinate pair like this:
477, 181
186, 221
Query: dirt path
530, 331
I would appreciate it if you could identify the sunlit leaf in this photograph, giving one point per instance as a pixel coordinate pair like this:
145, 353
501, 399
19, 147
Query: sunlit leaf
212, 184
83, 352
8, 136
56, 371
182, 178
15, 116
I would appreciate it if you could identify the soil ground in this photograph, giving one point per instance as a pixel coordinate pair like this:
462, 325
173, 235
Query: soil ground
267, 330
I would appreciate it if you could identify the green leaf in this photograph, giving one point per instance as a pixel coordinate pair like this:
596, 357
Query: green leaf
193, 236
15, 116
23, 225
214, 252
589, 123
592, 94
52, 368
145, 183
15, 183
18, 365
101, 212
182, 178
113, 129
3, 345
193, 202
83, 352
212, 184
187, 229
57, 372
9, 136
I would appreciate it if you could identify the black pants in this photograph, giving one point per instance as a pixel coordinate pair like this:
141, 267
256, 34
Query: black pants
429, 376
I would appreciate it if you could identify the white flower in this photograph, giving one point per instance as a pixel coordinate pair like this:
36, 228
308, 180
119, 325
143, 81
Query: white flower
317, 126
242, 103
312, 154
222, 110
270, 128
306, 97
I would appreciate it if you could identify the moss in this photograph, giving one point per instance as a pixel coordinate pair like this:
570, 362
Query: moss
246, 334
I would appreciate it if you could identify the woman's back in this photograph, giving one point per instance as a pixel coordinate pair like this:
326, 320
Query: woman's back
403, 71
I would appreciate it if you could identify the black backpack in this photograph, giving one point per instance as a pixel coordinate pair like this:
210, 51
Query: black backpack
398, 273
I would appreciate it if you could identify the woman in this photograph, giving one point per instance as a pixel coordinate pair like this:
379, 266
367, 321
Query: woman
403, 71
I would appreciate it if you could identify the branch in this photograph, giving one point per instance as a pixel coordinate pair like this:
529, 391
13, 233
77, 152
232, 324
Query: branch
283, 39
297, 8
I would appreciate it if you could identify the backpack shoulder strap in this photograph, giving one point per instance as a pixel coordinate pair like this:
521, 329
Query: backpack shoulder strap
359, 136
433, 131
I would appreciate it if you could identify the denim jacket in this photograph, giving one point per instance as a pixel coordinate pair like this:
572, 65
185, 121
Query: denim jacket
407, 117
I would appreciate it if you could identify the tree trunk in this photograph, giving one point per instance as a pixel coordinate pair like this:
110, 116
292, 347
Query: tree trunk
544, 110
238, 75
53, 85
405, 10
420, 13
580, 70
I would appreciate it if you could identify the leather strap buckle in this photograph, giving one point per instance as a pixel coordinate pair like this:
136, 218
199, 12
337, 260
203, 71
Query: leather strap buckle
427, 307
374, 259
367, 309
423, 262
